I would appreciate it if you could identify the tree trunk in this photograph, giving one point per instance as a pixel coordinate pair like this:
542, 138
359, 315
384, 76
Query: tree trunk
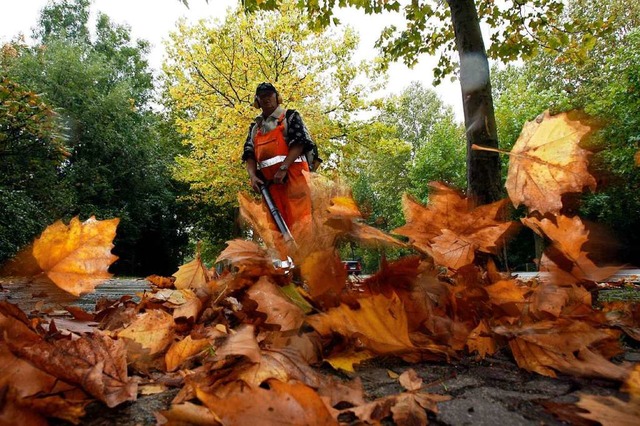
483, 168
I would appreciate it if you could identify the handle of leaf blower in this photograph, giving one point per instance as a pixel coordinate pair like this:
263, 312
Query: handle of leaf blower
275, 213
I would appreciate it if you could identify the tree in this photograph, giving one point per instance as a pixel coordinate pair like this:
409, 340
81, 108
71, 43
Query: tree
601, 81
120, 157
210, 78
32, 152
518, 28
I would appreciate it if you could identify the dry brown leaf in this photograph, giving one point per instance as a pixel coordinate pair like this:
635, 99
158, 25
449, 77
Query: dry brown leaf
181, 351
609, 411
547, 161
282, 403
185, 303
192, 275
160, 281
407, 408
450, 229
481, 340
410, 380
256, 215
243, 342
97, 363
509, 295
284, 365
76, 257
247, 256
637, 158
380, 324
568, 237
187, 414
570, 347
149, 334
279, 310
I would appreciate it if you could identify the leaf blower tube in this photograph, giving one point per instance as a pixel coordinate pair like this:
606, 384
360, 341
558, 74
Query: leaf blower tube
275, 213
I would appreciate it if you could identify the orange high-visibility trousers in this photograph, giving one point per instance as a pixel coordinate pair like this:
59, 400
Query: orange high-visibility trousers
293, 198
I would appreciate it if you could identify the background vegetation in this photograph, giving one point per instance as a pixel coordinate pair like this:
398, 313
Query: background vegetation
87, 129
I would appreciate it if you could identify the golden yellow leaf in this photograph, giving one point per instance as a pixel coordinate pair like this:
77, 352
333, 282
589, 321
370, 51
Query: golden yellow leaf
153, 331
347, 360
547, 161
182, 350
380, 324
324, 272
77, 257
192, 275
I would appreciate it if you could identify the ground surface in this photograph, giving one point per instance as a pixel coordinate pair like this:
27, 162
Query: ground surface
493, 391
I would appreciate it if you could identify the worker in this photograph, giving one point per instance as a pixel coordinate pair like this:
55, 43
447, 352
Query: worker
277, 150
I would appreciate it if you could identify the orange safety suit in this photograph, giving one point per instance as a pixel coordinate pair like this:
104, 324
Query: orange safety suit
293, 198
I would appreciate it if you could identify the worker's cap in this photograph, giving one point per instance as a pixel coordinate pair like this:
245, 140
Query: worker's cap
265, 88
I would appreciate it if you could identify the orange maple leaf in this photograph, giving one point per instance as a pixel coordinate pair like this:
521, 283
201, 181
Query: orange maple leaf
281, 403
76, 257
568, 262
192, 275
547, 161
451, 230
380, 324
570, 347
181, 351
272, 302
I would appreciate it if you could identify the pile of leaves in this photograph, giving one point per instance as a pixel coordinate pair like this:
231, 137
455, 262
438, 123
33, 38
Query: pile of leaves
241, 345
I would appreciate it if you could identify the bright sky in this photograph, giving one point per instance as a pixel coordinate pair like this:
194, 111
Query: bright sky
152, 20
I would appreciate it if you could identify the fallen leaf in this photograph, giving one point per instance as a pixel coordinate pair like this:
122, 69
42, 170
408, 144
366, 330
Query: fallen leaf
380, 324
247, 255
241, 343
608, 410
95, 362
451, 230
481, 340
182, 350
279, 310
187, 414
192, 275
160, 281
281, 403
570, 347
153, 331
410, 380
568, 237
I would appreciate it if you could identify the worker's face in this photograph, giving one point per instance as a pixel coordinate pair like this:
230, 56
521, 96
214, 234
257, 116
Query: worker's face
268, 101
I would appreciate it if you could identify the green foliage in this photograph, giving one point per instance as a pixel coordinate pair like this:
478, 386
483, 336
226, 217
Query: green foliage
32, 154
604, 83
120, 152
211, 74
412, 141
